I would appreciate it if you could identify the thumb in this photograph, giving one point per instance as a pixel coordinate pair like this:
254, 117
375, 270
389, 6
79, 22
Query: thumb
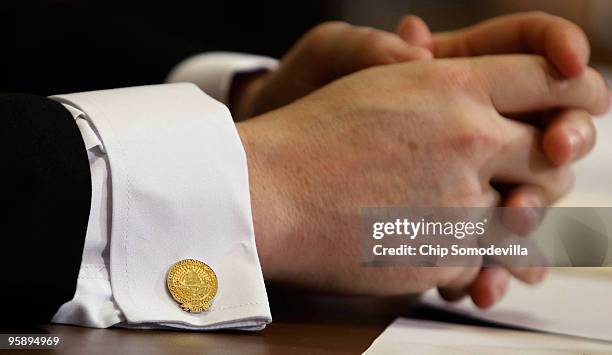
337, 49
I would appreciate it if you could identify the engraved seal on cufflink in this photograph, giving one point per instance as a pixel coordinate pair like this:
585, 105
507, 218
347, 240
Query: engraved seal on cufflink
192, 284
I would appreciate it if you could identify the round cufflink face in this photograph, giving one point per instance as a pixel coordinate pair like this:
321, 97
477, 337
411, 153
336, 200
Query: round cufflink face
192, 284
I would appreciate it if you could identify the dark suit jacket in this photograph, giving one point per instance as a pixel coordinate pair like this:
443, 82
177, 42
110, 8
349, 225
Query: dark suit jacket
46, 190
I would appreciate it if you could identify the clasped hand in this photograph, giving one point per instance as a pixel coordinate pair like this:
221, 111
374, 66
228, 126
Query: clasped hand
357, 117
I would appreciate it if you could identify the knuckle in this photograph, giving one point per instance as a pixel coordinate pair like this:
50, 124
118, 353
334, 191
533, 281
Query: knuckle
599, 98
551, 81
472, 193
332, 26
560, 181
324, 29
374, 46
454, 76
526, 135
548, 82
545, 17
593, 88
539, 15
373, 39
479, 138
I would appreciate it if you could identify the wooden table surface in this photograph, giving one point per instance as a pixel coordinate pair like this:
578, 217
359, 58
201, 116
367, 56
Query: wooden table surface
302, 324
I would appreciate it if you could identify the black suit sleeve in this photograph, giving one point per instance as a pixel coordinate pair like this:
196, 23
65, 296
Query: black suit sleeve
46, 187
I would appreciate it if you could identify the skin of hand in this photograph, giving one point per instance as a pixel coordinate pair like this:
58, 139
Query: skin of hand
327, 52
569, 134
427, 133
335, 49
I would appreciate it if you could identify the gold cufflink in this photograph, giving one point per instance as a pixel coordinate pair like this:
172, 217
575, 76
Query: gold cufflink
192, 284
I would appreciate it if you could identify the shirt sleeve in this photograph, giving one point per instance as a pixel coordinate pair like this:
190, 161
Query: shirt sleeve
213, 72
170, 183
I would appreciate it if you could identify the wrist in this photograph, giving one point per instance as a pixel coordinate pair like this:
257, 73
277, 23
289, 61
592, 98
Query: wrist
268, 217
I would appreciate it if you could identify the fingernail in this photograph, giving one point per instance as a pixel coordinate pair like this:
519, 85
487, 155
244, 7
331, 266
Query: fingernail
576, 141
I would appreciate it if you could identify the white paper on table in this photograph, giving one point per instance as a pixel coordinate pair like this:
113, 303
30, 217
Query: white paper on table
577, 303
410, 336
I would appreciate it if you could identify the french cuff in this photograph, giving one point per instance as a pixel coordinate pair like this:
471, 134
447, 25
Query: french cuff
213, 72
179, 191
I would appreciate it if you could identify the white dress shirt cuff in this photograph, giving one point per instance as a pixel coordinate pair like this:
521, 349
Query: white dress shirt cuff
213, 72
180, 190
